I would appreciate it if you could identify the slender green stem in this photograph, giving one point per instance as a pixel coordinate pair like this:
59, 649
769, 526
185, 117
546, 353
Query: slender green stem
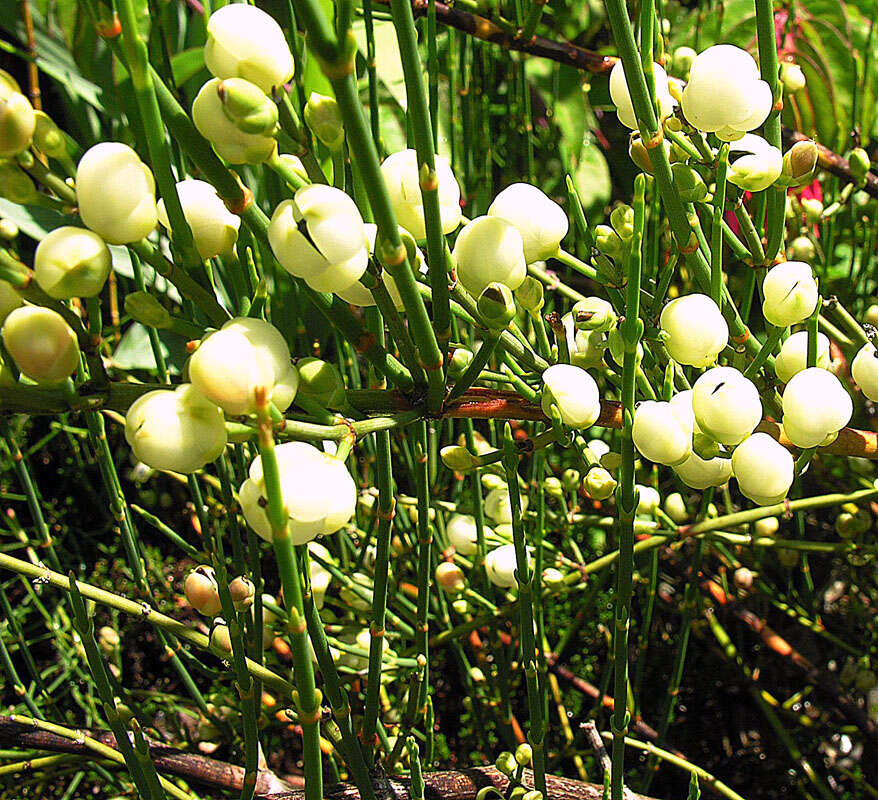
716, 239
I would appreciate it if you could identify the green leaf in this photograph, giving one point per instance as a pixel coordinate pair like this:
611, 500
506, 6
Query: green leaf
592, 177
187, 64
134, 351
388, 64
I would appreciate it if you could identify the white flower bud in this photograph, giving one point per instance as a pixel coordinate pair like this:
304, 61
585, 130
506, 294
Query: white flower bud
662, 432
463, 534
725, 94
9, 300
321, 577
648, 500
864, 370
321, 381
498, 506
586, 347
698, 473
323, 117
178, 430
214, 124
72, 262
790, 293
675, 508
450, 577
599, 484
41, 343
815, 406
17, 122
575, 394
245, 42
792, 76
244, 356
401, 173
726, 405
695, 328
319, 236
318, 493
763, 468
622, 99
489, 250
793, 356
115, 192
214, 228
743, 578
541, 222
202, 592
768, 526
754, 164
500, 566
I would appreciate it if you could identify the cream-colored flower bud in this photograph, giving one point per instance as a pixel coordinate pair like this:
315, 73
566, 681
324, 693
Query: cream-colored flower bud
72, 262
17, 122
754, 164
599, 484
541, 222
9, 300
401, 173
463, 534
115, 192
699, 473
864, 370
763, 468
767, 526
574, 392
675, 507
498, 506
594, 314
662, 432
214, 228
179, 430
792, 76
726, 405
450, 577
245, 42
530, 295
323, 117
489, 250
48, 137
648, 500
725, 94
212, 122
41, 343
695, 328
202, 591
245, 356
790, 293
242, 592
586, 347
501, 565
815, 406
622, 98
319, 236
743, 578
318, 493
793, 356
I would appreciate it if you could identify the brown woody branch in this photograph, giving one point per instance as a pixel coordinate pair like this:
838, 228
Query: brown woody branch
565, 52
448, 785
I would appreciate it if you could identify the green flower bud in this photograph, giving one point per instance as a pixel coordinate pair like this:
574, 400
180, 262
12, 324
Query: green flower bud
460, 606
458, 458
859, 163
48, 137
553, 487
599, 484
323, 117
799, 164
16, 185
524, 755
704, 446
866, 680
681, 61
690, 184
496, 305
622, 220
506, 763
321, 381
247, 107
813, 209
638, 153
608, 241
517, 793
802, 249
72, 262
242, 591
41, 343
530, 295
594, 314
570, 479
788, 558
145, 309
460, 358
853, 523
17, 123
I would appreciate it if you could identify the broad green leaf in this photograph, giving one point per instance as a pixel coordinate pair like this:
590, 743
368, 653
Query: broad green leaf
592, 177
187, 64
388, 64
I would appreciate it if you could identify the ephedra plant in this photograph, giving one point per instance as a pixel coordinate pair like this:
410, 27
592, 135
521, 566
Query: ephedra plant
351, 432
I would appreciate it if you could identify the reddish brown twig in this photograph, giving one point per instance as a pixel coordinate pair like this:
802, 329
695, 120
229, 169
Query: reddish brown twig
822, 681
